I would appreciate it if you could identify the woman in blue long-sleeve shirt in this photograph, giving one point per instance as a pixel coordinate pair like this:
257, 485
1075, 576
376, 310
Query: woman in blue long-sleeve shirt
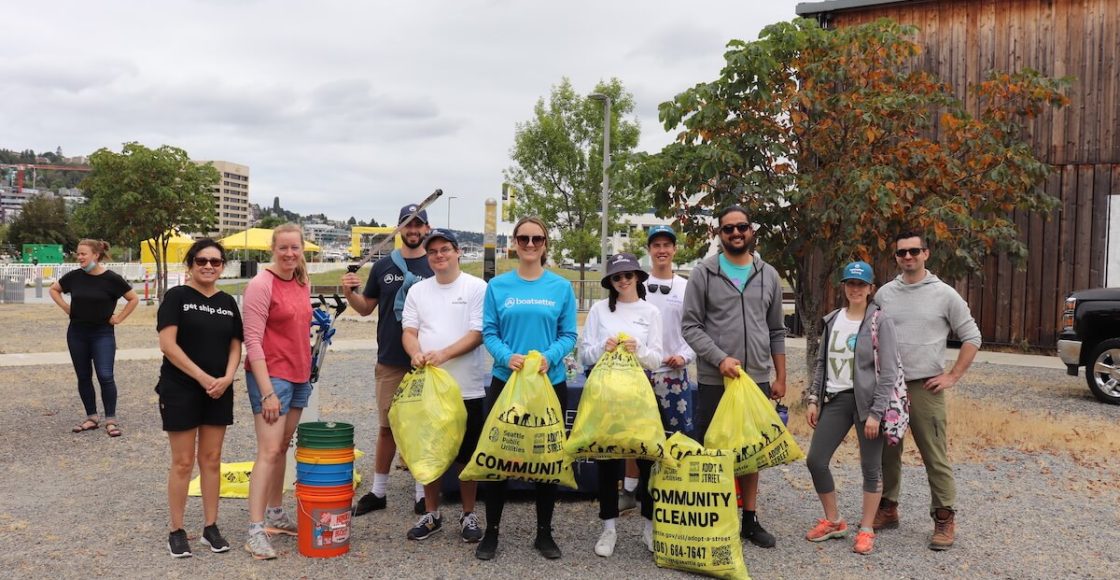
527, 309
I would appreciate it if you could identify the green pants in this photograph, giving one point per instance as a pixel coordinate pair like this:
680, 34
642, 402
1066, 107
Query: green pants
928, 428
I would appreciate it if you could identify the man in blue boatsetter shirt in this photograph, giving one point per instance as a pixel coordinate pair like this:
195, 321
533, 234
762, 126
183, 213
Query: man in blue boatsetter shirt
733, 318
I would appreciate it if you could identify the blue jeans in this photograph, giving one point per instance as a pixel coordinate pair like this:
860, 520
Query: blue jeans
97, 345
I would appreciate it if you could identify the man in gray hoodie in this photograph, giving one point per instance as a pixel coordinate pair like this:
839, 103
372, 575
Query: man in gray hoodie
733, 318
925, 310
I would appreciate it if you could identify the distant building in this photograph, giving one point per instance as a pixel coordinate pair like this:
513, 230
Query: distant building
326, 234
231, 197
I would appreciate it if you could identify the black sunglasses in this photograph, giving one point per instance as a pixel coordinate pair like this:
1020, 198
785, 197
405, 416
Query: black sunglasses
622, 276
655, 287
912, 251
214, 262
727, 229
524, 240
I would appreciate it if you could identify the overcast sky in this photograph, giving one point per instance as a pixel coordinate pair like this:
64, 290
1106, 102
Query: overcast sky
346, 108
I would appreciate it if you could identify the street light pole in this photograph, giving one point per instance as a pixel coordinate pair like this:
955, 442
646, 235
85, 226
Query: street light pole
449, 198
606, 167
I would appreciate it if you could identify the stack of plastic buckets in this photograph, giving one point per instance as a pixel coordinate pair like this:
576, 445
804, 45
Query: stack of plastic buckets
324, 487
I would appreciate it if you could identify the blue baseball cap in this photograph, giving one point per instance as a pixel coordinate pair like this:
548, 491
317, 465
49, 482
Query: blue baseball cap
858, 271
441, 234
660, 231
407, 211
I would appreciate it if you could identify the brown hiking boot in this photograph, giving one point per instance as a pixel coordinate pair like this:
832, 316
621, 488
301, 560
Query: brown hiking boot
886, 517
944, 528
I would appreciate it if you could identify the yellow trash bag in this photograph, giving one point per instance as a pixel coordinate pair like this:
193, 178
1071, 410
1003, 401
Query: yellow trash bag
523, 437
233, 479
746, 422
617, 416
429, 420
695, 517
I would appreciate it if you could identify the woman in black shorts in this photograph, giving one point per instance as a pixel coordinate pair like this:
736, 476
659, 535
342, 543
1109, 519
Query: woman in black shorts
200, 335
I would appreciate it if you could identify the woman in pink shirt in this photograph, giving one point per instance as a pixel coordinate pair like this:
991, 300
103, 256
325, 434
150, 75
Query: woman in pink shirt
277, 318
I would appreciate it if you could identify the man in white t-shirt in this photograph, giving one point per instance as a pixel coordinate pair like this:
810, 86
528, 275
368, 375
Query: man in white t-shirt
442, 323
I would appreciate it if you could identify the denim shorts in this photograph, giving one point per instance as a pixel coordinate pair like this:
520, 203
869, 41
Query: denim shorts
291, 395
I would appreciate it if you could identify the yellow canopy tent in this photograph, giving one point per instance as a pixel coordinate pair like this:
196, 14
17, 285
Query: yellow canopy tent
176, 250
256, 239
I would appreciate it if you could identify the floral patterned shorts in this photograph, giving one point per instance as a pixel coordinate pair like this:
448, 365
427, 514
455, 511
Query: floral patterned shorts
674, 394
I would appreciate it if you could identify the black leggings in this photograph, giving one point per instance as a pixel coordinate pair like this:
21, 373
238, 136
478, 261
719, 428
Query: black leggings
494, 493
610, 471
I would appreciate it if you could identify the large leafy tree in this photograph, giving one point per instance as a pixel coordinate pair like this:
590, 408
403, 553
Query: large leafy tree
836, 140
143, 194
558, 167
42, 220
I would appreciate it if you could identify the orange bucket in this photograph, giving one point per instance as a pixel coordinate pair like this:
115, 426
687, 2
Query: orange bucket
324, 456
324, 520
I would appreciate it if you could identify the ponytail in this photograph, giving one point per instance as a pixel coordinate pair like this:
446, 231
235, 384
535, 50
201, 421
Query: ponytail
99, 247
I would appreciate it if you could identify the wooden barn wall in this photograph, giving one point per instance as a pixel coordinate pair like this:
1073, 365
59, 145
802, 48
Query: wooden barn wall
963, 40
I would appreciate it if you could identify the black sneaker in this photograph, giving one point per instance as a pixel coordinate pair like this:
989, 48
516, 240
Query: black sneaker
213, 538
545, 544
420, 508
178, 545
428, 525
756, 534
369, 503
470, 531
488, 546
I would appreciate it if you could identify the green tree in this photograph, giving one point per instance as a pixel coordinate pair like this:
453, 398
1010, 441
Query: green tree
836, 140
636, 242
42, 220
269, 221
558, 167
145, 194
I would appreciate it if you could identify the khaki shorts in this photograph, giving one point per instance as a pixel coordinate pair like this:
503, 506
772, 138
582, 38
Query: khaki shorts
386, 379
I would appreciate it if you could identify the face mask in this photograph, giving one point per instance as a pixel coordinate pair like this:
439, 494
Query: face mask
90, 266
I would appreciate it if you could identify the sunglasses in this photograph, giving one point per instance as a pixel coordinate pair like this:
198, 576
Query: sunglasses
524, 240
622, 276
912, 251
729, 228
656, 287
214, 262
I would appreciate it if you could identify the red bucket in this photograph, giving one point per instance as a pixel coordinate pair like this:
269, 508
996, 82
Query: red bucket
324, 520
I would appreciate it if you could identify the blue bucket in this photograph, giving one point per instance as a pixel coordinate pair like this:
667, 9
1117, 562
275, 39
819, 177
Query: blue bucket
324, 474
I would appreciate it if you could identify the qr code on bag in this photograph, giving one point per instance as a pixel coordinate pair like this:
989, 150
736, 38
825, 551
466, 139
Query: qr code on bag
721, 556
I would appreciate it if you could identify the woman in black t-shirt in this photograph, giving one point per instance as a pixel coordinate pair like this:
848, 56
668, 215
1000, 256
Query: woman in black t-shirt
200, 334
94, 291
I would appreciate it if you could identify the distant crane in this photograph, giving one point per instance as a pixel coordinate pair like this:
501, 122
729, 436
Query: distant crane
34, 167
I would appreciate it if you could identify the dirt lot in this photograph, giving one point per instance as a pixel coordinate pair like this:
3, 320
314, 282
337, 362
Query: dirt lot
1036, 462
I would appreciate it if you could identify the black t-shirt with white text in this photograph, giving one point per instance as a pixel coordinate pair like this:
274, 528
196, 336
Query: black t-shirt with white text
205, 328
93, 298
385, 279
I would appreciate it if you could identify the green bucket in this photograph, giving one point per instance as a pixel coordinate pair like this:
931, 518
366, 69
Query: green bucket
325, 435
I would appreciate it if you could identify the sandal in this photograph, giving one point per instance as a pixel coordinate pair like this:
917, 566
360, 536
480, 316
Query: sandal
87, 425
113, 430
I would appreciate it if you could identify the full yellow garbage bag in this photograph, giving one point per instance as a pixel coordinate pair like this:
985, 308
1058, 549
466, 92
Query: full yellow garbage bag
617, 416
695, 519
523, 437
746, 422
429, 420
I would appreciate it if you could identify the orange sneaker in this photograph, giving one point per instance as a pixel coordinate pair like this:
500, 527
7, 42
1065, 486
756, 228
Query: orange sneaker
827, 530
865, 542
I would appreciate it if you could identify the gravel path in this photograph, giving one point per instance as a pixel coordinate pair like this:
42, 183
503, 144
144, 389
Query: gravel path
85, 505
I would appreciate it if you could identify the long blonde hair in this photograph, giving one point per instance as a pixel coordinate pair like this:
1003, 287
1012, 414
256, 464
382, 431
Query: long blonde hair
301, 264
99, 247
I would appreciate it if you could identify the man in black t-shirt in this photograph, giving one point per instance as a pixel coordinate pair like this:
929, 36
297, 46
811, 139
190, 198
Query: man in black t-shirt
385, 281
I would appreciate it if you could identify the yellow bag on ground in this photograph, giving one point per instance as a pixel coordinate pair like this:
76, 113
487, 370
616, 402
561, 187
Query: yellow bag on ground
429, 420
747, 422
617, 416
695, 519
523, 437
233, 479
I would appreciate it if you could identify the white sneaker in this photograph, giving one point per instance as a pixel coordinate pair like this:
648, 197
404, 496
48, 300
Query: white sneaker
647, 535
605, 546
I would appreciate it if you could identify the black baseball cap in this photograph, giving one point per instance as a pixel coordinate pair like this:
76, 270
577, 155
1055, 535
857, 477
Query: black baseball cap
407, 211
441, 234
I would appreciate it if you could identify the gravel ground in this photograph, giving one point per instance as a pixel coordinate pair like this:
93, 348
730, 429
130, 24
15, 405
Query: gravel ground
81, 505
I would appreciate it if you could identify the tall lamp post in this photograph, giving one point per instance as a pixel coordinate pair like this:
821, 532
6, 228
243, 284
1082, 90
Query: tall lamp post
606, 166
449, 198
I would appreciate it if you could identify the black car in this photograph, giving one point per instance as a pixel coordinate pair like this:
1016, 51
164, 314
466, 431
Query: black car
1090, 338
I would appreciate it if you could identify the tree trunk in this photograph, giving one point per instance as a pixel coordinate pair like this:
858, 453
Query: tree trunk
812, 286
